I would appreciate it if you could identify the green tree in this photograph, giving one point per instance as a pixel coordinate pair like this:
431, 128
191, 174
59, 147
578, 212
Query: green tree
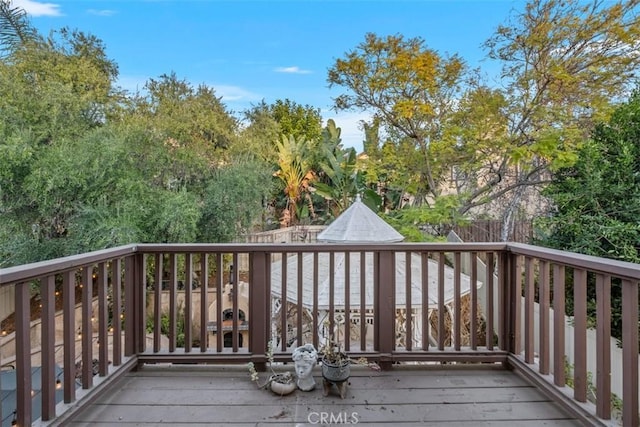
410, 89
339, 179
266, 123
234, 200
565, 64
15, 28
296, 175
596, 202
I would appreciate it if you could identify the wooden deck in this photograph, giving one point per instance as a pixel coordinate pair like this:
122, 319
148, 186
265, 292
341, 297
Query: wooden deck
442, 395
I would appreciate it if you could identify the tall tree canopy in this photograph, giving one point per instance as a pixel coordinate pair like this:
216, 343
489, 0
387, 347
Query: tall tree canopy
565, 62
410, 89
596, 202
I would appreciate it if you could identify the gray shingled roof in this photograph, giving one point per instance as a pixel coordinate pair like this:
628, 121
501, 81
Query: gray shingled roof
359, 224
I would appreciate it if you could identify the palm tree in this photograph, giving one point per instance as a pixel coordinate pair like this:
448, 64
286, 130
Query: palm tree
15, 28
295, 173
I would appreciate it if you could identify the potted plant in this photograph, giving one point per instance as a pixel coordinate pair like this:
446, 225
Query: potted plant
336, 368
280, 383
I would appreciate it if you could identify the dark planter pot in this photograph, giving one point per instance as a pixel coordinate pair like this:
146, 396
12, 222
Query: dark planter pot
336, 372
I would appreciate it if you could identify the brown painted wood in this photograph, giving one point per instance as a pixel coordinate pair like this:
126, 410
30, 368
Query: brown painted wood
630, 356
558, 325
603, 344
47, 299
544, 291
69, 344
580, 335
87, 328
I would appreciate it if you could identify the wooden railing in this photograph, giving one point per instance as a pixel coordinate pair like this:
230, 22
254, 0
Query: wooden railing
420, 303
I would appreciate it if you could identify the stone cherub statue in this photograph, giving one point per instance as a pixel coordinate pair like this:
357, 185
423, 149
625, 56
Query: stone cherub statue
305, 358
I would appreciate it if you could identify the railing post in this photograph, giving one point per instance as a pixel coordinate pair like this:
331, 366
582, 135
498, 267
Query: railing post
630, 352
259, 307
23, 355
385, 307
129, 308
141, 302
507, 298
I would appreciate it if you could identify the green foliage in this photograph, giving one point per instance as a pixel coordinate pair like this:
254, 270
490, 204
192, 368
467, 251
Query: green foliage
233, 200
405, 85
15, 28
596, 202
165, 326
419, 224
339, 179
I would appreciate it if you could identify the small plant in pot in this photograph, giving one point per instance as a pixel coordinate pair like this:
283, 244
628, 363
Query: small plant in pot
336, 368
280, 383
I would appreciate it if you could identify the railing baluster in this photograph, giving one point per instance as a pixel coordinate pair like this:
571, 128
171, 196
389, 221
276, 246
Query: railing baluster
529, 299
490, 306
157, 303
559, 377
441, 302
316, 326
235, 289
69, 320
347, 301
116, 289
129, 307
173, 296
516, 305
424, 283
630, 353
505, 276
332, 296
204, 303
300, 309
408, 339
283, 302
188, 301
580, 334
103, 319
363, 300
544, 292
140, 302
457, 309
23, 354
219, 296
473, 259
48, 361
603, 344
86, 328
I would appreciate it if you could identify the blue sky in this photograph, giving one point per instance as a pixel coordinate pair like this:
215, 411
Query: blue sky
250, 51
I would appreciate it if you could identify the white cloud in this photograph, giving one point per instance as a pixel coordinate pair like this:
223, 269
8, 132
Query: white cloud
101, 12
235, 94
35, 8
292, 70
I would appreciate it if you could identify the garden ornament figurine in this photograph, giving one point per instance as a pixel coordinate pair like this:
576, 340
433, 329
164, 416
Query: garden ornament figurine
305, 358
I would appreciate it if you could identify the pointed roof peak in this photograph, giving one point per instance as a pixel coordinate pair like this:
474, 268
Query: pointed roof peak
359, 224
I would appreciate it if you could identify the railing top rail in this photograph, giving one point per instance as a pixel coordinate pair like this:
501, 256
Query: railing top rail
613, 267
39, 269
319, 247
25, 272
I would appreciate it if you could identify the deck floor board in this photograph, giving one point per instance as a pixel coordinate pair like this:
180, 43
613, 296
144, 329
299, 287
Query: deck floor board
461, 395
